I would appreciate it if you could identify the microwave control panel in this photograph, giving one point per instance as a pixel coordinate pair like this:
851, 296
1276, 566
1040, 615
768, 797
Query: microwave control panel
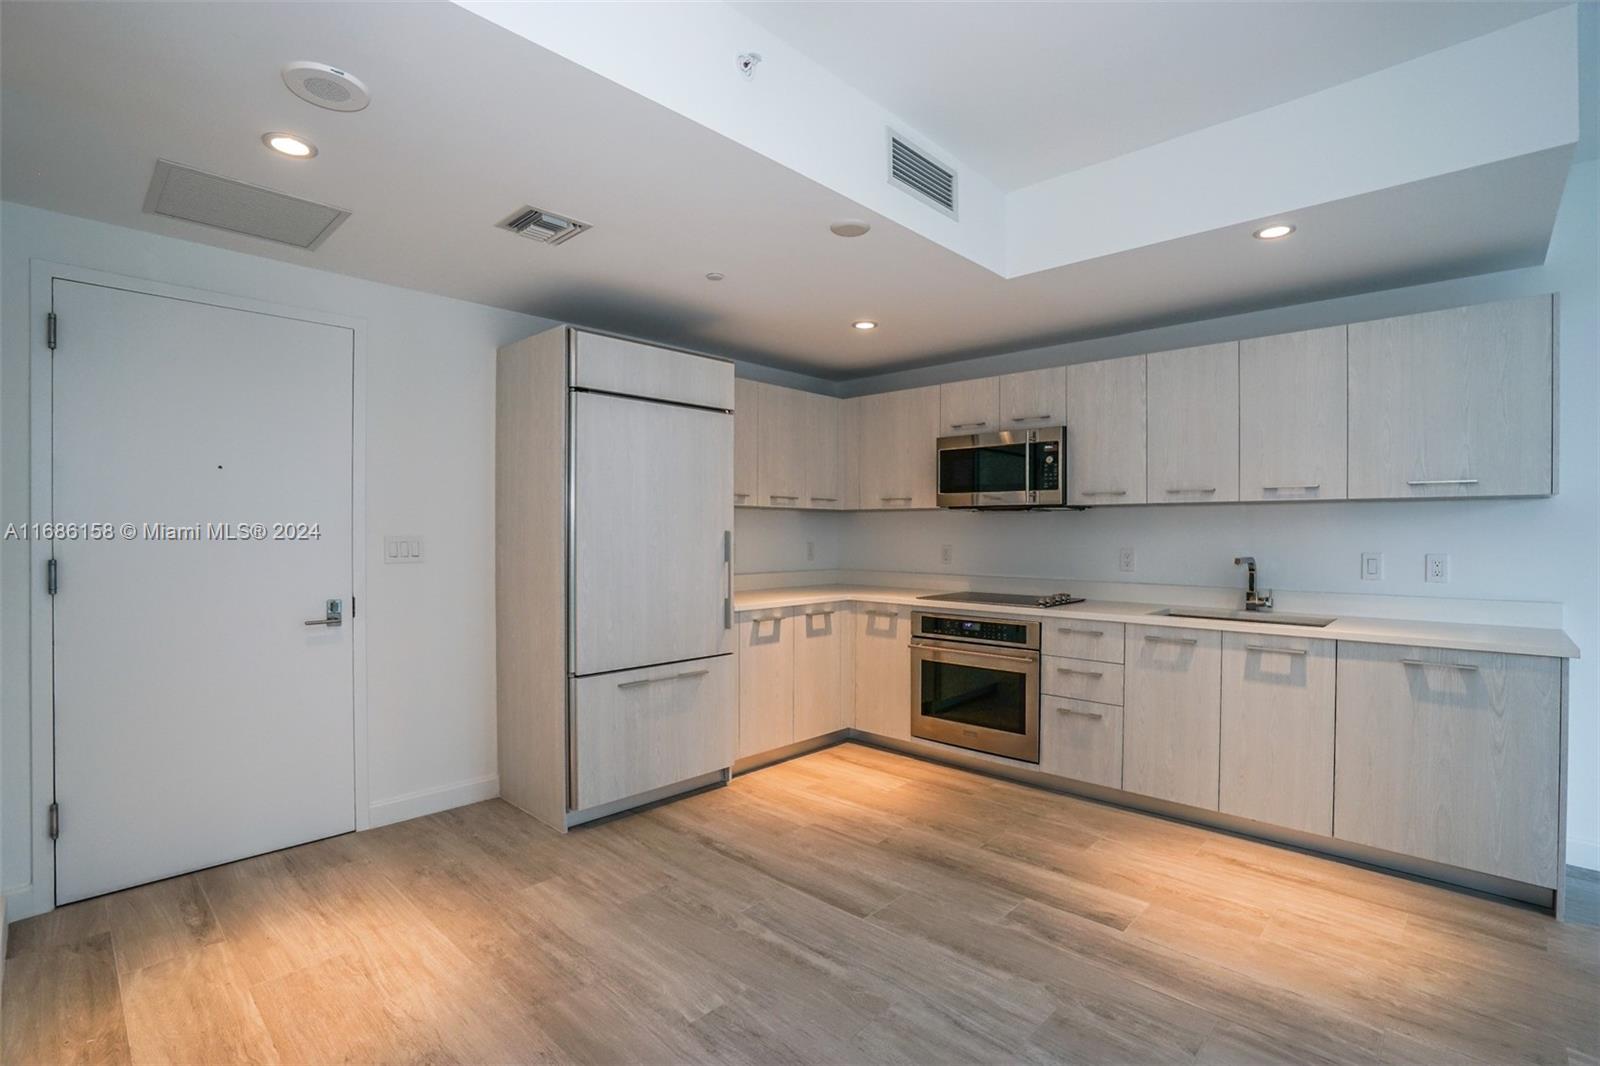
1047, 465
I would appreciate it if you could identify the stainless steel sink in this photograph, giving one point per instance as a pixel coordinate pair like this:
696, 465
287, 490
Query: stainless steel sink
1269, 617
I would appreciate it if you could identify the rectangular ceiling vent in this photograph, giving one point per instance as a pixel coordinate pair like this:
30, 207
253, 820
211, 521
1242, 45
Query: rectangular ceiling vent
542, 226
192, 195
920, 174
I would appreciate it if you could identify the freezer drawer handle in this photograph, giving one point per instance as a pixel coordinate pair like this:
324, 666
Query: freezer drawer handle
655, 680
1468, 667
1280, 651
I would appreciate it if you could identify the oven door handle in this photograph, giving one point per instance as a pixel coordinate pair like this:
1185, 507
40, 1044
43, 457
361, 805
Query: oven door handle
936, 652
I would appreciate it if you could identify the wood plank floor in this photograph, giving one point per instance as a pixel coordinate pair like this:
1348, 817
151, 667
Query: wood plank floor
850, 906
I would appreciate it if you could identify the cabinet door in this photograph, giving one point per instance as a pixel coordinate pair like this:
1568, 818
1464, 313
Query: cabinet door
746, 440
1081, 740
1171, 714
639, 730
1033, 398
1452, 756
766, 682
1453, 403
782, 478
969, 406
1194, 424
1277, 730
1105, 431
818, 662
1292, 416
850, 452
883, 670
898, 433
823, 453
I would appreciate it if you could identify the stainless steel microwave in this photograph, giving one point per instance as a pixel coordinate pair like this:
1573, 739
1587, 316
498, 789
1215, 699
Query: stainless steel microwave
1012, 468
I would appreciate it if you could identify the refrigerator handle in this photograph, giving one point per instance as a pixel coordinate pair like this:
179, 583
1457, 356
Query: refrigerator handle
727, 563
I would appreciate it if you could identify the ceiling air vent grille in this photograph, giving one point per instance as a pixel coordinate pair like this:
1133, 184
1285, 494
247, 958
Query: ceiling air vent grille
542, 226
915, 171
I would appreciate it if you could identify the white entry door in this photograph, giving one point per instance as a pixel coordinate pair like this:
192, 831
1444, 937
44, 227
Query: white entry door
198, 719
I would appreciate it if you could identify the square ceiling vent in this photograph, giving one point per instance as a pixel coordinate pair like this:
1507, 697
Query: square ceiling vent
543, 226
192, 195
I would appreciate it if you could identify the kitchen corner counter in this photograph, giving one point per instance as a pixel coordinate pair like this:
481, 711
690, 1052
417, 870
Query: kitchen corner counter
1505, 640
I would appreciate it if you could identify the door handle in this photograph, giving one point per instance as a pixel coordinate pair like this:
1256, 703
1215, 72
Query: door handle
333, 617
727, 562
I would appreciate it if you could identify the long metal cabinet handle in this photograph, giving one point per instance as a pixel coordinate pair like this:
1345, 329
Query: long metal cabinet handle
1080, 714
968, 425
1468, 667
826, 612
1031, 418
1085, 673
895, 499
938, 654
881, 614
826, 499
657, 680
1085, 632
1154, 639
1104, 492
1286, 488
1280, 651
727, 562
1446, 481
775, 496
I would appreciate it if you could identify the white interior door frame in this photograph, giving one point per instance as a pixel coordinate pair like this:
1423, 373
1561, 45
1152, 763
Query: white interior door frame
38, 895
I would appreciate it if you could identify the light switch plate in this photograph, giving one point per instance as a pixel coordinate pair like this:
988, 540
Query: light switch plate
1371, 566
403, 549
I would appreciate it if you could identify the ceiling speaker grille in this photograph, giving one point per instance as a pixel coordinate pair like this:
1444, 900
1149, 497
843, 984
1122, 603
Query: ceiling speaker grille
920, 174
543, 226
192, 195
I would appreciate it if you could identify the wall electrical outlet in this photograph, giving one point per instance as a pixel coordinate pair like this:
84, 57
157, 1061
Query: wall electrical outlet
1125, 560
947, 554
402, 549
1371, 566
811, 551
1436, 568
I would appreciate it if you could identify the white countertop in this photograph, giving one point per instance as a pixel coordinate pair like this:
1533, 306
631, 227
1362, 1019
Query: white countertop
1508, 640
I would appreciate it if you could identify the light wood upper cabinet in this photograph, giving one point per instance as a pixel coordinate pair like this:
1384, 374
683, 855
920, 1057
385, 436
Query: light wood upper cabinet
819, 704
1033, 398
898, 432
969, 406
1277, 730
1105, 431
823, 452
746, 440
782, 457
883, 670
1452, 756
1292, 416
766, 682
1171, 714
1453, 403
1193, 417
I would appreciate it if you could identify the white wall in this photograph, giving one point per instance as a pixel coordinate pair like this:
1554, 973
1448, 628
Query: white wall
430, 470
1543, 549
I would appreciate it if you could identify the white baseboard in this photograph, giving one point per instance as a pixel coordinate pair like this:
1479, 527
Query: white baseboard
1584, 853
433, 800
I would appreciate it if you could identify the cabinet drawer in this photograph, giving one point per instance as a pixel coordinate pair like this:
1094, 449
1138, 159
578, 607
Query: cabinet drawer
1082, 679
638, 730
1081, 740
1100, 641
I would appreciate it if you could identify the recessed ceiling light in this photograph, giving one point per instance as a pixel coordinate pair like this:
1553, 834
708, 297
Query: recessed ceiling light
849, 227
865, 324
715, 275
1274, 232
290, 145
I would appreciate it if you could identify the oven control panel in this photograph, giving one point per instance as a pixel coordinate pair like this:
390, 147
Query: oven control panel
978, 630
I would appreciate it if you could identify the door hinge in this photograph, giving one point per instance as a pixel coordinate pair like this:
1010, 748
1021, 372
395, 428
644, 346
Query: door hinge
51, 582
55, 820
50, 331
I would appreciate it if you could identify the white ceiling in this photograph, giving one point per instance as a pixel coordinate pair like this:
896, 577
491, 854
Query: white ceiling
469, 122
1026, 91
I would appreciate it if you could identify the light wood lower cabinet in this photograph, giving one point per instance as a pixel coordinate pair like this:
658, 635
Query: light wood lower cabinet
1171, 715
1452, 756
766, 681
819, 704
1081, 740
639, 730
1277, 730
883, 670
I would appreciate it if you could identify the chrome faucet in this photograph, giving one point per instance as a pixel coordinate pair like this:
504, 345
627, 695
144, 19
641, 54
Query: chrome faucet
1253, 600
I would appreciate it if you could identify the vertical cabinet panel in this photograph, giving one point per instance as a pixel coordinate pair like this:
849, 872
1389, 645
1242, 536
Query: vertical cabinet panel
1193, 411
822, 451
850, 453
1453, 403
883, 670
819, 701
1292, 416
1452, 756
1106, 431
746, 441
1033, 398
969, 406
766, 682
1277, 730
782, 458
898, 431
1171, 715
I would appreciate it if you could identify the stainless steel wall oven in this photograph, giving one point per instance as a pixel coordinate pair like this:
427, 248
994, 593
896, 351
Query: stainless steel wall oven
975, 683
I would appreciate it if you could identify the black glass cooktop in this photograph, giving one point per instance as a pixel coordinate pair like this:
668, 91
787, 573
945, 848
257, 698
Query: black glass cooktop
1010, 599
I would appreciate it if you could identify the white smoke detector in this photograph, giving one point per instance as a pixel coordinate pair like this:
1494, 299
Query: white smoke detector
325, 86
